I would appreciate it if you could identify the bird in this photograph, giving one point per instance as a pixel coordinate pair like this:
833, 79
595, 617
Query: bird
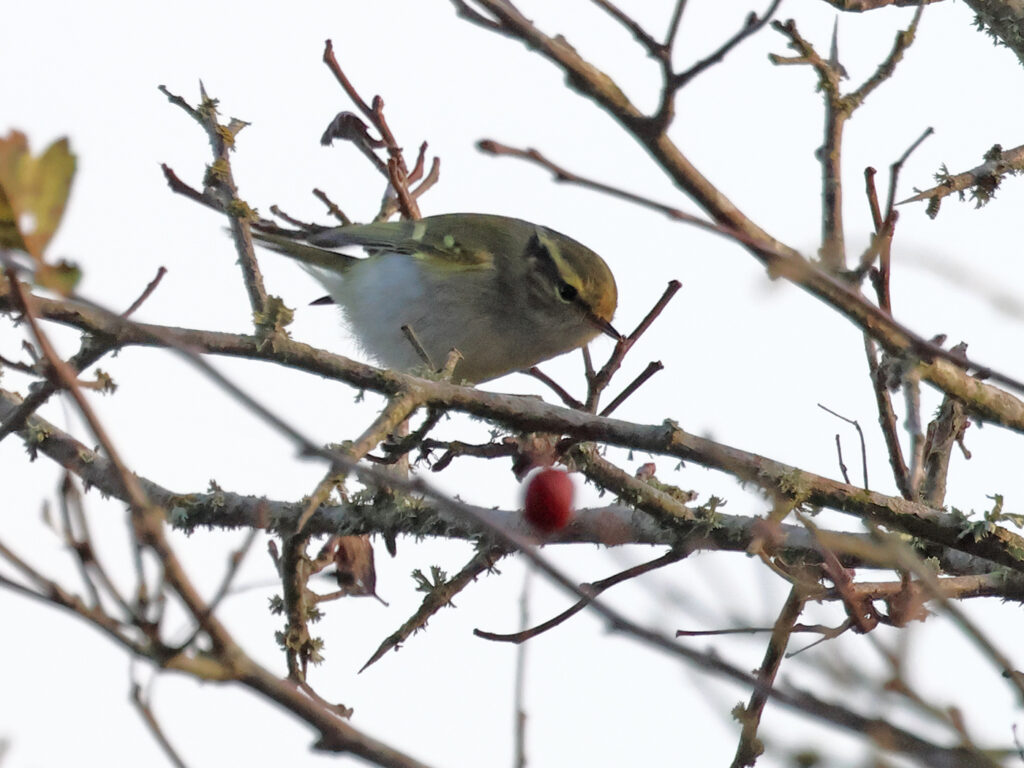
506, 293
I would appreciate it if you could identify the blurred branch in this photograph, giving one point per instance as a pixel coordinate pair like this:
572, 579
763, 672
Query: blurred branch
146, 293
750, 747
149, 718
1003, 20
858, 6
93, 347
944, 433
887, 421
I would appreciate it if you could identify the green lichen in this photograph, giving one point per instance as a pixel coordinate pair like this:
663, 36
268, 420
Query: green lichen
217, 173
274, 318
35, 435
437, 579
240, 209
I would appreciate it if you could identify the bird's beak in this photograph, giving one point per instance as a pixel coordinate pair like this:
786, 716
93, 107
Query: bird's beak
605, 327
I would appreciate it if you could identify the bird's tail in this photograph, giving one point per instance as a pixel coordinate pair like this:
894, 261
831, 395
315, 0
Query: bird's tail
310, 255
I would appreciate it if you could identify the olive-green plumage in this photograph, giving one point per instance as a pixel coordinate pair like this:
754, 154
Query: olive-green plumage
506, 293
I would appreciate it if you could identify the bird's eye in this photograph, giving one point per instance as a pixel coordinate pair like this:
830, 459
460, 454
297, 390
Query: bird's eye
566, 292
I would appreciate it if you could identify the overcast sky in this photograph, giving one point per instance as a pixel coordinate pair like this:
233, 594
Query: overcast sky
747, 360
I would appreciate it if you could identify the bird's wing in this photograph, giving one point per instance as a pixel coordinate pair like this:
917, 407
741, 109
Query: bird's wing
445, 238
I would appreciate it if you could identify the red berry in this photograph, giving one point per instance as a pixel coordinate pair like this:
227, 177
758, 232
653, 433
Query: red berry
548, 504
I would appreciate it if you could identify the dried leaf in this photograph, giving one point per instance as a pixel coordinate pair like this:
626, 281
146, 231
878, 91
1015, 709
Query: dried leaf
353, 559
907, 605
33, 192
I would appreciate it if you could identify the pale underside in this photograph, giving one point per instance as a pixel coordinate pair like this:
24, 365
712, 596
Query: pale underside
478, 317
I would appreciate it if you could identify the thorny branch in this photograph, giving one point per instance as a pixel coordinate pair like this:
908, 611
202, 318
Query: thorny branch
982, 181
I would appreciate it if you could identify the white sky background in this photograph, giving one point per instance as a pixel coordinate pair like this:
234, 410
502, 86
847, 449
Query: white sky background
746, 360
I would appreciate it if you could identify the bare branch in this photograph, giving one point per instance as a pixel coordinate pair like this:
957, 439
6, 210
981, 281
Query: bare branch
220, 180
653, 47
561, 174
751, 26
860, 433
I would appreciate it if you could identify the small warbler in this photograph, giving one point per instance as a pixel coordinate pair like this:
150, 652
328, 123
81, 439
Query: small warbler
505, 293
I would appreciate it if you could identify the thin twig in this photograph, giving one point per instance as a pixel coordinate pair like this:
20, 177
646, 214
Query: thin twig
904, 39
397, 447
887, 421
92, 349
79, 539
332, 64
896, 167
651, 369
597, 383
146, 293
751, 26
410, 334
407, 203
14, 365
234, 564
872, 193
304, 226
673, 24
456, 448
491, 147
653, 46
909, 560
983, 180
863, 445
332, 207
519, 728
842, 465
149, 718
565, 397
590, 591
912, 400
673, 81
